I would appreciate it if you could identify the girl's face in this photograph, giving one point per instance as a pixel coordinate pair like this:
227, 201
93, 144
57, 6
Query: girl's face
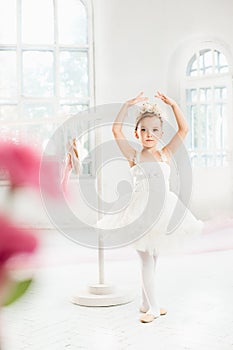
149, 131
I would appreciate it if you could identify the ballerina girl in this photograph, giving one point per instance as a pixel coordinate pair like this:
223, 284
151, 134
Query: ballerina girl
152, 162
149, 130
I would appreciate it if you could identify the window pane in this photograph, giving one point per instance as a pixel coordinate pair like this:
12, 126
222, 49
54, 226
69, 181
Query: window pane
201, 62
203, 130
191, 95
6, 133
8, 22
224, 93
224, 130
222, 60
205, 95
209, 127
221, 65
73, 74
188, 140
216, 60
207, 159
37, 21
217, 94
72, 22
219, 139
209, 94
220, 93
72, 109
38, 73
32, 111
192, 66
202, 95
194, 127
208, 62
36, 134
208, 70
8, 83
206, 127
205, 62
10, 133
8, 113
220, 111
39, 134
220, 159
193, 73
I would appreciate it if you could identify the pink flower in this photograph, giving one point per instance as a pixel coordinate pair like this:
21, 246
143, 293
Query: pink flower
23, 164
49, 177
14, 240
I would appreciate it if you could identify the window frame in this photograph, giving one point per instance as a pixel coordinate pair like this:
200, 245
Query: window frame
206, 81
55, 100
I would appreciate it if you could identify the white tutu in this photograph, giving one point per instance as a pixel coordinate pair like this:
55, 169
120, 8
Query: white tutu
159, 222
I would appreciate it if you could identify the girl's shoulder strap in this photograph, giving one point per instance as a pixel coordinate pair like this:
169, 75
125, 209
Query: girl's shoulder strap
136, 157
163, 155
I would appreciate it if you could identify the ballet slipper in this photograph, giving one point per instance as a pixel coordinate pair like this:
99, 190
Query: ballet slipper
148, 318
74, 157
162, 311
143, 309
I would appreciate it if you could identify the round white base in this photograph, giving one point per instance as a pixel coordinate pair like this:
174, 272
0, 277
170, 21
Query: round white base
101, 288
117, 297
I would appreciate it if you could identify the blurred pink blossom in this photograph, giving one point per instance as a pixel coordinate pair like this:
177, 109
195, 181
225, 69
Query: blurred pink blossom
22, 164
14, 240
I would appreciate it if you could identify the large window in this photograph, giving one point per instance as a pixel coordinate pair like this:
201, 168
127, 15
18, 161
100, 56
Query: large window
208, 86
45, 66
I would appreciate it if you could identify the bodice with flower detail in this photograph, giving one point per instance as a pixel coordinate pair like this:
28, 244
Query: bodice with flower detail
150, 175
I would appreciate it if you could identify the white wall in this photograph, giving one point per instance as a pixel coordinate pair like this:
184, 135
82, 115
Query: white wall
135, 41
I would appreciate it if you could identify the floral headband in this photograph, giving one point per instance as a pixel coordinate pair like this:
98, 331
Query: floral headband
152, 109
147, 107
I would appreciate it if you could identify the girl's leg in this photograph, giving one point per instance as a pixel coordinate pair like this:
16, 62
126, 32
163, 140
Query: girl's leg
145, 304
148, 282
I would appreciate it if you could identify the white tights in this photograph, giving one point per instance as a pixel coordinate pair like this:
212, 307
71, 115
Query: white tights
149, 298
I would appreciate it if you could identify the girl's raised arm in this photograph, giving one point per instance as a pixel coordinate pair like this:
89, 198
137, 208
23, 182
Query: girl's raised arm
121, 140
182, 123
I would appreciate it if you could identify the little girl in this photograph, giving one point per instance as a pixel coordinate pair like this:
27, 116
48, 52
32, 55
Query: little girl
151, 162
150, 166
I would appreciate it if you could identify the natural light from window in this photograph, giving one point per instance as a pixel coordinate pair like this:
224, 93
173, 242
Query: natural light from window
207, 87
44, 66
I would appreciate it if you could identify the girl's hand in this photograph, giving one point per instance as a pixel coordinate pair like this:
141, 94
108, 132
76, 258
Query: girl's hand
137, 99
169, 101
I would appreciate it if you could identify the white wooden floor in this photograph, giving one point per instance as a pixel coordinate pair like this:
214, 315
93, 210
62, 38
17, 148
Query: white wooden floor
196, 290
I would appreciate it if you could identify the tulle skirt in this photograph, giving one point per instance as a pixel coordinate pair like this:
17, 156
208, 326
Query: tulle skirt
171, 231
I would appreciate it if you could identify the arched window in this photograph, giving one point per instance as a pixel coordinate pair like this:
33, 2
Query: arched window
45, 65
208, 89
